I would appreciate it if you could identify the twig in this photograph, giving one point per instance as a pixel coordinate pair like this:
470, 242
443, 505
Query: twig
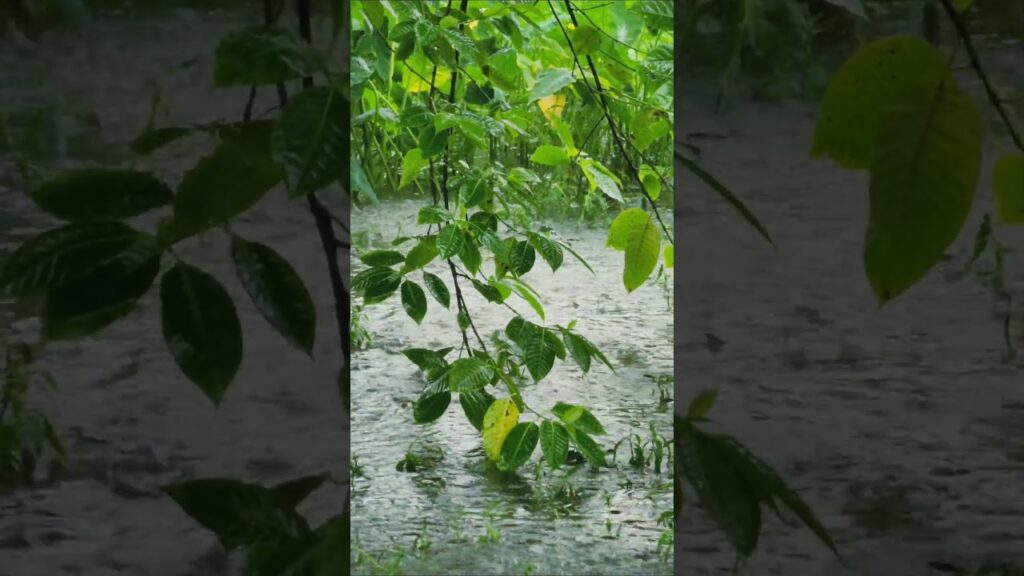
607, 114
965, 37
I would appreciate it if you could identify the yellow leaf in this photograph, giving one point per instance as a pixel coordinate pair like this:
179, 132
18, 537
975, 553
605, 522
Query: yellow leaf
552, 105
499, 420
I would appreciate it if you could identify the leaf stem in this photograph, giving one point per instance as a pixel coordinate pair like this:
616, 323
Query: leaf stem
965, 37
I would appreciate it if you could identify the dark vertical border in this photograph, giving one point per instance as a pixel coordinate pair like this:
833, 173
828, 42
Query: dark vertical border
677, 263
345, 254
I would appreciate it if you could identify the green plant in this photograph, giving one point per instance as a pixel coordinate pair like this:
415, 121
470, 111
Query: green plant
95, 267
492, 113
27, 437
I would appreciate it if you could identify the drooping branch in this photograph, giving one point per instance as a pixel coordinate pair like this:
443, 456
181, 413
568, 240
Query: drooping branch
972, 54
599, 92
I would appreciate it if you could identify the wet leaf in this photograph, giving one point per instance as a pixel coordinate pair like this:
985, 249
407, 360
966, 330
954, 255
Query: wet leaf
201, 328
93, 194
277, 291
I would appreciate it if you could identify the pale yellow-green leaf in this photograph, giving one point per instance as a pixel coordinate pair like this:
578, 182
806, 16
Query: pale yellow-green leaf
500, 419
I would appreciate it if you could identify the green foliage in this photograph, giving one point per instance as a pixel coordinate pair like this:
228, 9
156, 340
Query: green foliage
93, 269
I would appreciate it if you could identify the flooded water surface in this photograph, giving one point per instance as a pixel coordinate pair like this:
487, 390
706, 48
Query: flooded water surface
903, 427
130, 421
458, 514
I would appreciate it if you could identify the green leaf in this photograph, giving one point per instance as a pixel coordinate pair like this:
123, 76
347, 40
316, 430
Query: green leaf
1008, 186
277, 291
201, 328
726, 194
549, 82
437, 289
376, 283
475, 405
382, 258
421, 254
470, 254
585, 39
87, 303
463, 320
469, 374
359, 182
488, 291
233, 178
860, 97
430, 406
412, 164
651, 181
450, 241
601, 177
260, 55
526, 293
518, 446
431, 141
540, 351
634, 232
521, 257
291, 493
669, 257
590, 449
70, 252
549, 155
725, 491
472, 192
923, 178
554, 442
154, 139
432, 215
701, 404
240, 514
425, 359
308, 140
93, 194
550, 251
500, 418
414, 300
579, 417
578, 349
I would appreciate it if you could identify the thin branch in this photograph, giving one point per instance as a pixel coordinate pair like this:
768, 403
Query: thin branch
965, 37
607, 113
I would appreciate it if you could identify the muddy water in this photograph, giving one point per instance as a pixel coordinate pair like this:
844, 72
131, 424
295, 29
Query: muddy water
130, 421
903, 427
600, 522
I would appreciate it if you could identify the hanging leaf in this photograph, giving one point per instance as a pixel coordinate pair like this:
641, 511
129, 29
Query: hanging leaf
201, 328
233, 178
431, 406
412, 164
518, 446
499, 420
475, 405
70, 252
437, 289
422, 253
549, 155
260, 55
100, 194
549, 82
414, 300
554, 442
469, 375
308, 140
450, 241
277, 291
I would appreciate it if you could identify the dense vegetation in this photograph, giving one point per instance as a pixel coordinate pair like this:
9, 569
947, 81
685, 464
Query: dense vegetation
500, 118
